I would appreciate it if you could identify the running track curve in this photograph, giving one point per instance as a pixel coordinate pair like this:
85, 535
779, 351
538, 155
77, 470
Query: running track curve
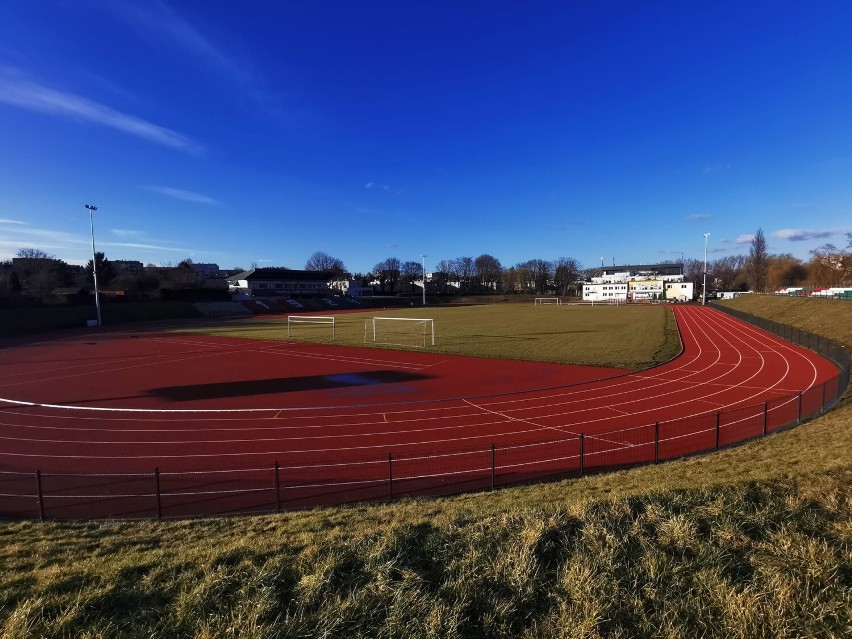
56, 415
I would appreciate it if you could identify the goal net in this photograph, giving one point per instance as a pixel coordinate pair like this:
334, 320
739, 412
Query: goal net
312, 326
539, 301
400, 331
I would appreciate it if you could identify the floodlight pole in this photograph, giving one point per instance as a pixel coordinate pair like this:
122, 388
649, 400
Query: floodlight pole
423, 257
704, 288
92, 209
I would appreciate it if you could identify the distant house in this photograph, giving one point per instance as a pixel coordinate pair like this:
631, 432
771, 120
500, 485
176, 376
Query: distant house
207, 271
279, 282
127, 266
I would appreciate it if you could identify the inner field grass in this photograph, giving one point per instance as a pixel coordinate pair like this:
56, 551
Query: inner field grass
632, 336
752, 541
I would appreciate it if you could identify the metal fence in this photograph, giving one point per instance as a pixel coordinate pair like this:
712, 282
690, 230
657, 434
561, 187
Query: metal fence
277, 488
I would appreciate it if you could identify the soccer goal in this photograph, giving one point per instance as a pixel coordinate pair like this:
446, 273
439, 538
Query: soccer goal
400, 331
294, 320
540, 301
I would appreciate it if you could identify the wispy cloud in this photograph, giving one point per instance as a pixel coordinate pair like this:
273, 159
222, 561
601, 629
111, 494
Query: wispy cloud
184, 195
745, 238
31, 96
800, 235
127, 233
700, 216
6, 221
157, 21
383, 187
151, 247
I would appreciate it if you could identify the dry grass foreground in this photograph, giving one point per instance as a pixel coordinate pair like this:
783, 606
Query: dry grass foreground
754, 541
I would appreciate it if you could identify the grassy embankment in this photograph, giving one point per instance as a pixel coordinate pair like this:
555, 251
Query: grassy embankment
754, 541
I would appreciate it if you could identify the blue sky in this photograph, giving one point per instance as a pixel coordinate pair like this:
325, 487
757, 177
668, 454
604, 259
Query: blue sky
261, 132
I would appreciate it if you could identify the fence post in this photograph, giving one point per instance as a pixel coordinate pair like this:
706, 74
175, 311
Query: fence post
824, 386
657, 442
582, 453
765, 415
159, 503
799, 418
277, 488
40, 495
492, 465
718, 416
390, 474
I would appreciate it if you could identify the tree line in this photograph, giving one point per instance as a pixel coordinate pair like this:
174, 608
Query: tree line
758, 271
36, 273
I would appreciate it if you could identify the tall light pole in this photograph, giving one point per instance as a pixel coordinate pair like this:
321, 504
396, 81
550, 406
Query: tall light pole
423, 257
704, 288
92, 208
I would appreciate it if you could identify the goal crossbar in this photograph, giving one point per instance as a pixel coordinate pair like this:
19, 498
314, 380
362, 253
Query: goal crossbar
427, 335
547, 300
310, 319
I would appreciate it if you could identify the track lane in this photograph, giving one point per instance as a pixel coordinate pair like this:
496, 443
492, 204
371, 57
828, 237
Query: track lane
724, 363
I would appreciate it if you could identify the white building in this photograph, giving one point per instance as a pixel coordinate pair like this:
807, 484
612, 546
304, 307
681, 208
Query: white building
639, 282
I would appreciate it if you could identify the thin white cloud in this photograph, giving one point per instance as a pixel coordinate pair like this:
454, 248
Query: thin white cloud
151, 247
700, 216
127, 233
6, 221
382, 187
29, 234
800, 235
184, 195
157, 21
32, 96
745, 238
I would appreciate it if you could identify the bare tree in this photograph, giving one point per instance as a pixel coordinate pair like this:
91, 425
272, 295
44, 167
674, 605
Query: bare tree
443, 274
542, 274
181, 277
727, 273
465, 269
566, 273
409, 272
525, 277
826, 267
41, 273
784, 271
387, 272
489, 272
758, 262
320, 261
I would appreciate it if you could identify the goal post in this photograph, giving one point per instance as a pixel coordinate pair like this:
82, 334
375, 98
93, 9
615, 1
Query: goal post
540, 301
400, 331
293, 320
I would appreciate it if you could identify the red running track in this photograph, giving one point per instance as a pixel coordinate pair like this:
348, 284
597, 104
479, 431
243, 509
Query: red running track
112, 403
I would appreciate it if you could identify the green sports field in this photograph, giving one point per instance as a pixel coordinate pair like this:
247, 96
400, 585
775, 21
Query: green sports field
619, 336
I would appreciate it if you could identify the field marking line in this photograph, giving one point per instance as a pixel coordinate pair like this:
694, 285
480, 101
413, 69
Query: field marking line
518, 419
620, 412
